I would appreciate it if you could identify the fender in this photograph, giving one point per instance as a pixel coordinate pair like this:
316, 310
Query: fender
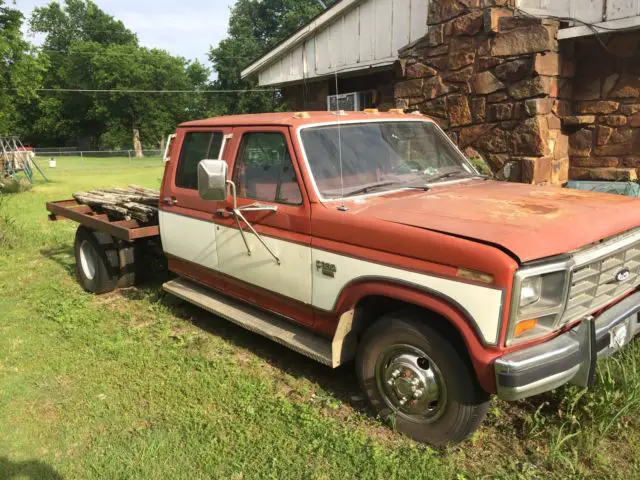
481, 355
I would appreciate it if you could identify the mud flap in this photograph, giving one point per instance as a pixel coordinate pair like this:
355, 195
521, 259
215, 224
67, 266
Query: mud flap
586, 335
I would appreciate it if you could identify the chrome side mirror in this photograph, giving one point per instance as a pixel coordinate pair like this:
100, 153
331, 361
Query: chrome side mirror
212, 180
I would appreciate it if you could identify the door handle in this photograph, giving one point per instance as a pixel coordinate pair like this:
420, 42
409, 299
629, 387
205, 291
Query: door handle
170, 200
224, 212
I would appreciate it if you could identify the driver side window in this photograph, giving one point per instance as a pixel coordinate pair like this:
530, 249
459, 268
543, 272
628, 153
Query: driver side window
264, 171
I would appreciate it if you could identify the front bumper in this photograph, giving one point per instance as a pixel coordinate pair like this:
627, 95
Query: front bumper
570, 357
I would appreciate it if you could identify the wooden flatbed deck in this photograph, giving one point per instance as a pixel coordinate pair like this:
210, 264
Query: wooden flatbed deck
127, 230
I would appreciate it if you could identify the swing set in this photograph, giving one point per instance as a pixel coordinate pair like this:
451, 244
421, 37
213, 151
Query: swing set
15, 159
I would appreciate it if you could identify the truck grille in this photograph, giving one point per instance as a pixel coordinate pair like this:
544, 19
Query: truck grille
594, 283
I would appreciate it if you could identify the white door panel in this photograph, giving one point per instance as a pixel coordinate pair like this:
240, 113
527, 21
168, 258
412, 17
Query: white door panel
292, 278
189, 239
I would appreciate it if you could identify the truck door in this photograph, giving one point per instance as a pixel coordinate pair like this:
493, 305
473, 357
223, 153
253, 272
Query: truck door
270, 196
186, 221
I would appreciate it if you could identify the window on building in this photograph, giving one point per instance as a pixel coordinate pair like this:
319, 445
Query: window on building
197, 146
264, 170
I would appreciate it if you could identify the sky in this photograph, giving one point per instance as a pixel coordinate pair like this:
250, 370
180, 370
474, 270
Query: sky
187, 28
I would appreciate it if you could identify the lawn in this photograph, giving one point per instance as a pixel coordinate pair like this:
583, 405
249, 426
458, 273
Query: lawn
135, 384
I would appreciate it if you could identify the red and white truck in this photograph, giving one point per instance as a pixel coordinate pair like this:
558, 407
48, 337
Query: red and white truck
370, 237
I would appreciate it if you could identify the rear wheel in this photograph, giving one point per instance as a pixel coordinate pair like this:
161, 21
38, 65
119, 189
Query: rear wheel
97, 264
415, 379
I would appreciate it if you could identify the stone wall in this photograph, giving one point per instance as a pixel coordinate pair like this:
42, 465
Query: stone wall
605, 128
496, 83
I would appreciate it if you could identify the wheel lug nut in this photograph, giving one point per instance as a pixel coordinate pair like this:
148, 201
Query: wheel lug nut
395, 374
402, 401
417, 393
415, 382
390, 382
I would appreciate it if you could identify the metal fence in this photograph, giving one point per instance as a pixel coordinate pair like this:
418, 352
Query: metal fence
61, 153
56, 150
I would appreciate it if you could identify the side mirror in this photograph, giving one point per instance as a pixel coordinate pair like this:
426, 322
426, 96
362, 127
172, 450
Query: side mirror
212, 180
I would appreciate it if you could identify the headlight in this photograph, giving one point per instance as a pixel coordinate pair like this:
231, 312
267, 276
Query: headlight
538, 301
530, 291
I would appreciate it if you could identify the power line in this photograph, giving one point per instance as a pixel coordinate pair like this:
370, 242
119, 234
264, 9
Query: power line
116, 90
120, 54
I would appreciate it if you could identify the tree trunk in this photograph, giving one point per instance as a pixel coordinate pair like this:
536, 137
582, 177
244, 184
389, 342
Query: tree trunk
163, 145
137, 144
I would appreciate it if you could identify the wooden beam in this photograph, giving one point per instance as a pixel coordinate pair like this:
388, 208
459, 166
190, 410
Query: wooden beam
582, 31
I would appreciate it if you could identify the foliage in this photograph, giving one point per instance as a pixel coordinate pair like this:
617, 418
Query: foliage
255, 27
89, 49
14, 185
85, 48
481, 165
21, 70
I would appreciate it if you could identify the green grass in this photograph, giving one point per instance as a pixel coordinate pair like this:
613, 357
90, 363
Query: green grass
137, 385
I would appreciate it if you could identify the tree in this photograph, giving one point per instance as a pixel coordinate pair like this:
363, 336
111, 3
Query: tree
147, 116
20, 70
90, 50
255, 27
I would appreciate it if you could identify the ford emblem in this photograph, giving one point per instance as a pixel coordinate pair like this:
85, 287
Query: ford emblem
623, 275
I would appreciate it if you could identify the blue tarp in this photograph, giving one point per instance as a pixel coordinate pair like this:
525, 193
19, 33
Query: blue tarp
630, 189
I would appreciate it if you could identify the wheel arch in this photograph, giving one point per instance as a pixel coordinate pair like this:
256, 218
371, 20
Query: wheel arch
366, 300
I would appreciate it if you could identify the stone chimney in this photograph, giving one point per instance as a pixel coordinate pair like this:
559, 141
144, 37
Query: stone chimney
496, 83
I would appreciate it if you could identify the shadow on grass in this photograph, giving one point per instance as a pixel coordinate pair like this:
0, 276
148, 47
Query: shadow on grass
63, 256
30, 469
341, 382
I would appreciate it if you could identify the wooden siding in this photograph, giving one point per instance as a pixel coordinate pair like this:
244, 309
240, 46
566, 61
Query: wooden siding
367, 35
590, 11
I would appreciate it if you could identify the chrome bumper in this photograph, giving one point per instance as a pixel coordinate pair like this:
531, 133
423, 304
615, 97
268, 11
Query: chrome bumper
571, 357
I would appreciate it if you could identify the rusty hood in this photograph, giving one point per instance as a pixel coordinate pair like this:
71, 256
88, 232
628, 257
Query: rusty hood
530, 222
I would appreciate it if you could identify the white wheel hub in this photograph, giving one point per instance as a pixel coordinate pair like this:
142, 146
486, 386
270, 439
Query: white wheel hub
88, 260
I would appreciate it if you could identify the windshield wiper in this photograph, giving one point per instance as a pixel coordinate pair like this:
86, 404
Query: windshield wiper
442, 176
369, 188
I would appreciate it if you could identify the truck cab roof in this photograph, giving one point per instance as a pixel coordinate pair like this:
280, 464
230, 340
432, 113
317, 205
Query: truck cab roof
297, 119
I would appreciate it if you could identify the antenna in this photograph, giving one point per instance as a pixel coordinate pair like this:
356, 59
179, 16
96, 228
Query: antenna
342, 207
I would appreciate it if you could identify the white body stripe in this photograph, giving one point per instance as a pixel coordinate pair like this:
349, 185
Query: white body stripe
190, 239
292, 278
221, 248
482, 303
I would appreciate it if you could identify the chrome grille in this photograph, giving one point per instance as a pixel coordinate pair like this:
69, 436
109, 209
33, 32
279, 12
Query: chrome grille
594, 283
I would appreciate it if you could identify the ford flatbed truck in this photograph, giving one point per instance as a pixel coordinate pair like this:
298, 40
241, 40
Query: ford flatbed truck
370, 237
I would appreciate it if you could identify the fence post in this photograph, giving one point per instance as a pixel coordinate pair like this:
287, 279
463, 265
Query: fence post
81, 157
129, 153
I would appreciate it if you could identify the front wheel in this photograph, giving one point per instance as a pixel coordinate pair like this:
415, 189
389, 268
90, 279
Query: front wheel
415, 379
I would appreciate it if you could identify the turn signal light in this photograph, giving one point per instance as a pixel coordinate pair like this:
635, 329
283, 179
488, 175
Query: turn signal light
524, 327
371, 110
396, 110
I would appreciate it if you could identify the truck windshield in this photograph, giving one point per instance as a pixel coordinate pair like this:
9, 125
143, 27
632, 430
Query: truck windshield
381, 156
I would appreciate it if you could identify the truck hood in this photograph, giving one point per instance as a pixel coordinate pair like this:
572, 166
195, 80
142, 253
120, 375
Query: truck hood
530, 222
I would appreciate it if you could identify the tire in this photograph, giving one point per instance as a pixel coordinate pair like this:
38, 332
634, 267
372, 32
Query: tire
97, 265
445, 406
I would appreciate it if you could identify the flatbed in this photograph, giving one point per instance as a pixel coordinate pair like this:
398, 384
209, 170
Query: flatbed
127, 230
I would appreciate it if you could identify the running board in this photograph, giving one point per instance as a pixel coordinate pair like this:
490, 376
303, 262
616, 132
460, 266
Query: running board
258, 321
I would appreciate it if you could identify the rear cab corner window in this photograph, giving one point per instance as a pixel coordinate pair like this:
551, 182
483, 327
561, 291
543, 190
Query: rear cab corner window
264, 170
196, 146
